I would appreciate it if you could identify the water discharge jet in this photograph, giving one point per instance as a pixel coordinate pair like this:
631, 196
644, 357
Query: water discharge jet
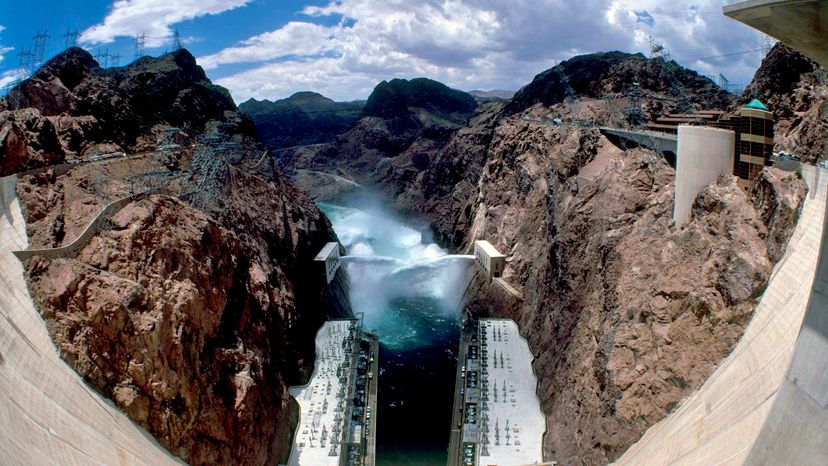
408, 289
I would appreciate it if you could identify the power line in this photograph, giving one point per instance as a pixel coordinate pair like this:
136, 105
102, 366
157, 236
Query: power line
732, 54
25, 63
102, 57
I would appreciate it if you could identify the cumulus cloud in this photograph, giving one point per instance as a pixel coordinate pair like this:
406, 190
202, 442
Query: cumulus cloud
471, 44
8, 77
4, 50
153, 18
294, 39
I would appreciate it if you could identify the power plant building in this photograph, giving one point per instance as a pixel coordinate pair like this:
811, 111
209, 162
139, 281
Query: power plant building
753, 125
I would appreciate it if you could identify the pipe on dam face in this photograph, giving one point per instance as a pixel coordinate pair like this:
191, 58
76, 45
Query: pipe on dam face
704, 154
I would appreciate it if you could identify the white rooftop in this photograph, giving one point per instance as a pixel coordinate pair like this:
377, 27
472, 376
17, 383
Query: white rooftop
515, 422
322, 412
487, 247
326, 250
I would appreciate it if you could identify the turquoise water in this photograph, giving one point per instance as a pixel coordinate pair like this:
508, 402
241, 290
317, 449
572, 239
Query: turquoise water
409, 290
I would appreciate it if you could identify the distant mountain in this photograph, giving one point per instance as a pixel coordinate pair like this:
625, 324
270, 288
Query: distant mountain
395, 98
483, 97
598, 74
301, 119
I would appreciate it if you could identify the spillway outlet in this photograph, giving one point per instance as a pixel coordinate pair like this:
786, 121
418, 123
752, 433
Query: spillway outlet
328, 258
492, 261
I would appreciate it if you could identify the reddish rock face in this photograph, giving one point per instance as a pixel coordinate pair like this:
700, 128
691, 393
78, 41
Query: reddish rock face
27, 139
194, 324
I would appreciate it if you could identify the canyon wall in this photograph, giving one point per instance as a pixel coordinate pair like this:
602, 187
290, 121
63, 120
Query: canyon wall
625, 313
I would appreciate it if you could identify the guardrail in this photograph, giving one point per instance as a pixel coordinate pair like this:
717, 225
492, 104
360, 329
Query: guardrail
94, 227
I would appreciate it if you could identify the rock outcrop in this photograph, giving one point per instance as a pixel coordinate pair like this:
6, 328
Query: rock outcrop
82, 109
795, 89
608, 73
302, 119
194, 307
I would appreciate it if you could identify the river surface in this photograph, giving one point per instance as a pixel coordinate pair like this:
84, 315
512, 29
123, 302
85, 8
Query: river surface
408, 290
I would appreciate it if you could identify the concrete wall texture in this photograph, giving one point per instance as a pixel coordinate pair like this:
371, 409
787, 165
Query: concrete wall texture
48, 415
703, 155
748, 411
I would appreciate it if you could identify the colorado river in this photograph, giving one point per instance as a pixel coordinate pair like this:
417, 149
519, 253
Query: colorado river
408, 289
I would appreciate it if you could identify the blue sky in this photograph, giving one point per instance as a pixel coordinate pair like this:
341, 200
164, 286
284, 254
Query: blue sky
342, 48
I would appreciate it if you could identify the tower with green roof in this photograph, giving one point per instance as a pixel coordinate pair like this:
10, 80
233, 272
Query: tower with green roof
754, 141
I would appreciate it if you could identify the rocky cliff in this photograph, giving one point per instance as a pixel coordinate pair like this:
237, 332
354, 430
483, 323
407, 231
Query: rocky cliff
403, 125
625, 313
301, 119
662, 84
795, 89
73, 108
196, 304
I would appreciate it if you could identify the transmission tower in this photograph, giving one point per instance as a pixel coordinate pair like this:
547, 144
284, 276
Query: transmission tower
102, 57
177, 41
140, 43
766, 44
725, 84
657, 50
71, 38
26, 63
114, 58
40, 40
635, 115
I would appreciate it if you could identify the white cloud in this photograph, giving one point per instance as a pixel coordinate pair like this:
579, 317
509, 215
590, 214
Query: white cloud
469, 44
294, 39
4, 50
8, 77
153, 18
